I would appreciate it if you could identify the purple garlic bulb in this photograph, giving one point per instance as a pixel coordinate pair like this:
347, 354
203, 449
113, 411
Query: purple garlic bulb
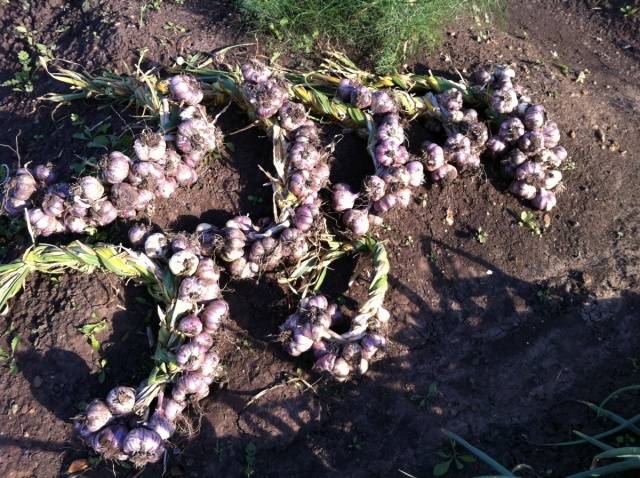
303, 218
185, 89
325, 363
97, 415
255, 72
109, 442
360, 97
150, 147
121, 400
343, 198
90, 189
511, 129
161, 425
303, 156
189, 356
213, 314
451, 99
382, 103
183, 263
531, 142
115, 167
530, 171
534, 117
551, 134
345, 88
496, 146
523, 189
416, 173
190, 325
137, 234
552, 178
104, 212
544, 200
156, 245
171, 409
375, 187
45, 173
292, 116
143, 446
445, 173
504, 100
385, 203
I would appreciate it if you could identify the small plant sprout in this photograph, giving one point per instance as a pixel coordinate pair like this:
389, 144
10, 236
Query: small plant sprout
152, 5
408, 241
21, 80
629, 10
100, 136
249, 460
102, 372
31, 38
423, 400
10, 356
528, 219
451, 457
91, 329
174, 27
221, 451
482, 236
544, 294
356, 443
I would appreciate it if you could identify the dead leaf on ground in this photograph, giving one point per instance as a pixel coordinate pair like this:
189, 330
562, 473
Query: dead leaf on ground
79, 465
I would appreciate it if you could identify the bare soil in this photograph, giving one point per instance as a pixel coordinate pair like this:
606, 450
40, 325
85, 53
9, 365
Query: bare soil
511, 331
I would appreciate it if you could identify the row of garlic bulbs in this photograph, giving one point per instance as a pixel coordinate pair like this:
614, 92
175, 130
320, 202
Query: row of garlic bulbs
123, 187
465, 141
310, 329
396, 172
118, 429
528, 143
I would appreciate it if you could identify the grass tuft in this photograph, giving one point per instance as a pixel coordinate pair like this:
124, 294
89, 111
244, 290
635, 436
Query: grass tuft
387, 30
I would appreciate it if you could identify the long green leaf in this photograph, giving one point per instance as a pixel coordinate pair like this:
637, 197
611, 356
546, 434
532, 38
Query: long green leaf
633, 464
593, 441
614, 394
624, 452
624, 425
609, 414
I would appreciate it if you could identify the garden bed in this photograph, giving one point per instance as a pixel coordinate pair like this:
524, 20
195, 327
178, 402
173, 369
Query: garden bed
490, 339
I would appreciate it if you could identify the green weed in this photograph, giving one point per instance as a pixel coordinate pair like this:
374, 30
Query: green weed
528, 219
91, 329
387, 30
482, 236
249, 460
629, 10
23, 78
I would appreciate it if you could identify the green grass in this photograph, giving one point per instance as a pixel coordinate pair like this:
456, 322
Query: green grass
387, 30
